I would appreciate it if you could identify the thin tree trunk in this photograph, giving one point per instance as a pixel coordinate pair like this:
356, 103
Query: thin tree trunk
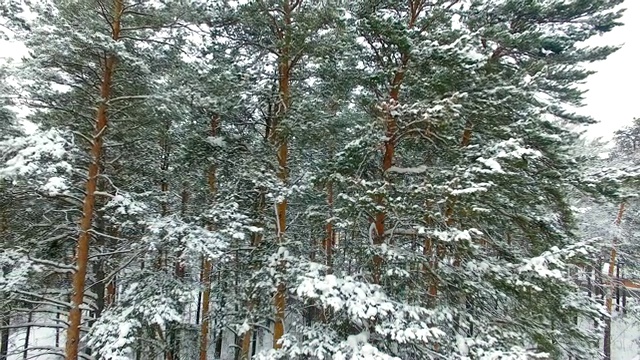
255, 242
174, 334
57, 340
218, 349
207, 265
254, 343
82, 251
618, 282
589, 283
206, 295
5, 317
4, 337
285, 63
246, 342
173, 350
597, 284
27, 336
199, 305
389, 146
330, 239
609, 299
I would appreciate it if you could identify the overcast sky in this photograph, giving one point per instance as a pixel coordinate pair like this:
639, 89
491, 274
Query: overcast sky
613, 95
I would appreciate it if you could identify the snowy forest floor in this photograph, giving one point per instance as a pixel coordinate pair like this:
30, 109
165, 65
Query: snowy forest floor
625, 336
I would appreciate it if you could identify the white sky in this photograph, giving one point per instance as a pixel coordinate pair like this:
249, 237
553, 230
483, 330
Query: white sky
612, 97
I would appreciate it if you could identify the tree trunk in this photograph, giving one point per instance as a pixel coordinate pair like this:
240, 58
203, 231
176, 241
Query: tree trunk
4, 337
256, 240
607, 338
207, 265
330, 239
254, 343
618, 287
389, 146
285, 62
173, 342
199, 305
597, 284
82, 250
174, 333
206, 295
609, 299
218, 349
246, 345
5, 317
589, 284
27, 336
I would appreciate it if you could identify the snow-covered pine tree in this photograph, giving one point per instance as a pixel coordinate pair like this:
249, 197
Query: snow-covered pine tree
391, 180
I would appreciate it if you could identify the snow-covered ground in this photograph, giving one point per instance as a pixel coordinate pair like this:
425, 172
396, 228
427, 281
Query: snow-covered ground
625, 332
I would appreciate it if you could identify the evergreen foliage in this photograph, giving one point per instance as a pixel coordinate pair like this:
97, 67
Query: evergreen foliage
304, 179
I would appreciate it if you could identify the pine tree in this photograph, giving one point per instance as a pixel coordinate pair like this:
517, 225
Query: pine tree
292, 179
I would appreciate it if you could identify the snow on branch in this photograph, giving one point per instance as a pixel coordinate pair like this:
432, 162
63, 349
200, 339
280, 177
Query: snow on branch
15, 268
363, 303
411, 170
551, 264
42, 156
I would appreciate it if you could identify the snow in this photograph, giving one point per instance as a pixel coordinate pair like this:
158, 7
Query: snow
55, 185
625, 333
410, 170
42, 152
217, 141
540, 266
491, 164
470, 190
124, 204
15, 268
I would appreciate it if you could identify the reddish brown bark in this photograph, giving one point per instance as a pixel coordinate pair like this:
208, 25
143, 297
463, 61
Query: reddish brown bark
179, 265
285, 62
255, 242
329, 241
207, 266
451, 201
246, 340
206, 296
164, 167
612, 284
111, 293
88, 207
391, 126
330, 238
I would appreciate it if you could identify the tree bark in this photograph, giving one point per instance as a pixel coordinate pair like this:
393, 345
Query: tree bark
179, 269
206, 295
173, 350
207, 266
391, 127
199, 305
246, 344
27, 337
82, 250
5, 316
330, 237
618, 287
609, 299
285, 63
4, 337
255, 242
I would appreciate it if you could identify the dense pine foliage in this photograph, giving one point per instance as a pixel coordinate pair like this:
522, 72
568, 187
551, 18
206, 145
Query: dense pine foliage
298, 179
